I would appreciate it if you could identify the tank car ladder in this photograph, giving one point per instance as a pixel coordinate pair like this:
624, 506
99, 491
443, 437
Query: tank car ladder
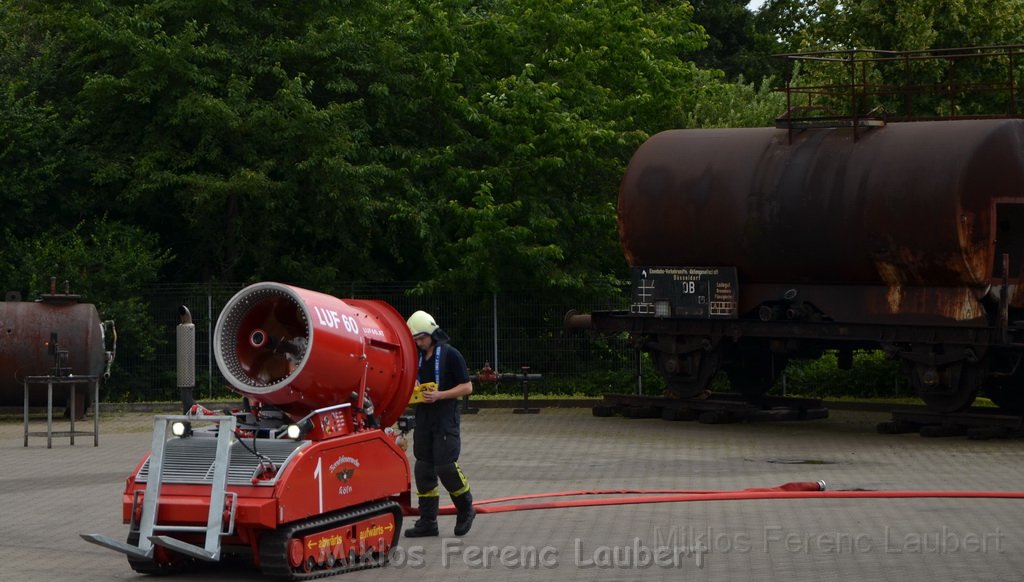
147, 525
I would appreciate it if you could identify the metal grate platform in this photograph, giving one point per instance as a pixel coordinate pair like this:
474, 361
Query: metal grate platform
192, 460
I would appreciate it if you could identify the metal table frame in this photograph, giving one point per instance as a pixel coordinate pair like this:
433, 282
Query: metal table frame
73, 381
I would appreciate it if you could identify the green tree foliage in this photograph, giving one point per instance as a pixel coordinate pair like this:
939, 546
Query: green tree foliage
54, 220
805, 25
31, 161
871, 376
786, 23
861, 27
191, 122
104, 261
737, 105
916, 24
737, 43
471, 145
466, 144
557, 95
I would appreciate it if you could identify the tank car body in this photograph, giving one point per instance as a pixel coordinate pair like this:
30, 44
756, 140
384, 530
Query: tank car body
906, 237
309, 479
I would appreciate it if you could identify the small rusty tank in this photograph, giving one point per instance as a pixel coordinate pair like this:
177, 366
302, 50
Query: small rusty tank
26, 331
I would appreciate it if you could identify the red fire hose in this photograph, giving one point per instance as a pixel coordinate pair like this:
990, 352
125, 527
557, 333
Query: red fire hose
795, 490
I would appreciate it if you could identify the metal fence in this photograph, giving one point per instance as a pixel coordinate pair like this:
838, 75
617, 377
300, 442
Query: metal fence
505, 330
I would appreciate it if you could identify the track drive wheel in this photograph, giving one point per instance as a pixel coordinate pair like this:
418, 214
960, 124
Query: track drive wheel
283, 553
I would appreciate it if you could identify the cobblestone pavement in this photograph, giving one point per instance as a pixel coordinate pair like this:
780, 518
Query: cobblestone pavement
49, 496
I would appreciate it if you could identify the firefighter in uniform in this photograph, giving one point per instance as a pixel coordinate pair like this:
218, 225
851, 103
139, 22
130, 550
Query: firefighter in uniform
436, 442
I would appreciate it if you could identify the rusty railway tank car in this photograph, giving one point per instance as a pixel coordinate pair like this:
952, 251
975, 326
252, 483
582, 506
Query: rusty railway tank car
753, 246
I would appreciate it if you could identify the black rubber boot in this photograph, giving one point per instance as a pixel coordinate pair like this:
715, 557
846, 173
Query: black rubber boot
422, 528
426, 525
466, 513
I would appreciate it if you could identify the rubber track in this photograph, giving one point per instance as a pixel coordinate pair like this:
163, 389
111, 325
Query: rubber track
274, 545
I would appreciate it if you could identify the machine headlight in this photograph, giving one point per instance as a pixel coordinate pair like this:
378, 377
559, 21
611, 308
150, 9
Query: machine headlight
178, 428
299, 429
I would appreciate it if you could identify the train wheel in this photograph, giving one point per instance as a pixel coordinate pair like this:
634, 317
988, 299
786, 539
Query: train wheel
950, 388
687, 375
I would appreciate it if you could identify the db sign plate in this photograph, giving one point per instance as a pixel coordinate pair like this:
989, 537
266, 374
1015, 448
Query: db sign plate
685, 292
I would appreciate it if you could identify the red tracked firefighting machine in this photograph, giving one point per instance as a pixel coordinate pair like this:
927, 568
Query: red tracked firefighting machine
304, 478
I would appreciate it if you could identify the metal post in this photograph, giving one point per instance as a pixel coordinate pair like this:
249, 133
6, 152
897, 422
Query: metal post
26, 412
74, 412
494, 315
209, 343
1004, 302
526, 394
96, 412
466, 408
186, 344
49, 414
639, 372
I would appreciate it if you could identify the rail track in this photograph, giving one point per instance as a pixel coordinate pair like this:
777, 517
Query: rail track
714, 409
974, 423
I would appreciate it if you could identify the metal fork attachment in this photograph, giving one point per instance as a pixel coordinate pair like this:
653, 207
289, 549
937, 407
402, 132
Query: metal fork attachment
148, 527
